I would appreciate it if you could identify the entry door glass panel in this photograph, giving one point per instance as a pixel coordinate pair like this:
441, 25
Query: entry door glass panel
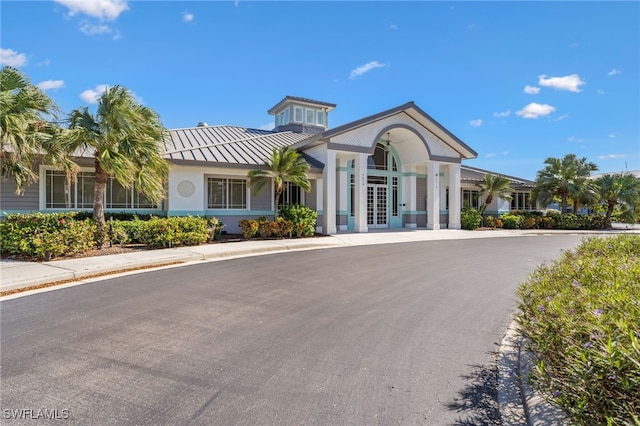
381, 205
377, 206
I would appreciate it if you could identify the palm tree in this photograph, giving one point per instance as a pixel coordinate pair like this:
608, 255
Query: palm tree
493, 185
126, 139
586, 191
285, 165
564, 178
25, 132
620, 189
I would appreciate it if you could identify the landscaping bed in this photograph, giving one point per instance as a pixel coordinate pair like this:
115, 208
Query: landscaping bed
581, 315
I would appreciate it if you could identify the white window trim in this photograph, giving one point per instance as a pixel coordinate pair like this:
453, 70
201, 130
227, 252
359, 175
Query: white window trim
42, 195
295, 110
239, 177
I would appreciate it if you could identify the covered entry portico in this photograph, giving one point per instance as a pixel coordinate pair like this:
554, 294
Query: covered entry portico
391, 170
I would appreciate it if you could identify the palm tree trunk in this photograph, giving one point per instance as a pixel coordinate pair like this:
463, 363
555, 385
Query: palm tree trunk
98, 203
564, 203
607, 218
275, 204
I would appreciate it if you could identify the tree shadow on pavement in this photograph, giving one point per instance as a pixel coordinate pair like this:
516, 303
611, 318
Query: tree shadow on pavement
477, 402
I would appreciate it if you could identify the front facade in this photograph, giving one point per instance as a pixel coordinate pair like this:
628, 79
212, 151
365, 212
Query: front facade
394, 169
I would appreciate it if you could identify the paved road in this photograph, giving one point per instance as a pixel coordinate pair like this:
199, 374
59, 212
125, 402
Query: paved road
387, 334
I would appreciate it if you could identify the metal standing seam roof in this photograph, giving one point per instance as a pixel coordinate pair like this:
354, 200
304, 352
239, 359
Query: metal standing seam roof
228, 144
472, 174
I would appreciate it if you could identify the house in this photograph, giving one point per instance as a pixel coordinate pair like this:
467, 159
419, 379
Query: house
394, 169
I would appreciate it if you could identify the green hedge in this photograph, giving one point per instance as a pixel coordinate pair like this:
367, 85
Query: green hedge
581, 315
49, 235
45, 236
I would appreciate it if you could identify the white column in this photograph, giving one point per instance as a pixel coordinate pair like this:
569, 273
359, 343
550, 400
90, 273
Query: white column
320, 203
433, 195
342, 188
329, 191
410, 192
454, 196
360, 193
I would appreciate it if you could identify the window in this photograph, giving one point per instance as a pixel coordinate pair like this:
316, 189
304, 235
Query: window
394, 196
310, 116
292, 194
79, 195
378, 160
320, 118
470, 198
223, 193
522, 201
297, 114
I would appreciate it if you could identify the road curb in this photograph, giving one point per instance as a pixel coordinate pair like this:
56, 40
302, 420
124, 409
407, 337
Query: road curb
519, 403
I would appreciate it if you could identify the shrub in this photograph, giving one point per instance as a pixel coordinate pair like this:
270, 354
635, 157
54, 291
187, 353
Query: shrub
511, 221
265, 227
45, 236
470, 218
303, 219
581, 316
282, 228
249, 228
173, 231
215, 228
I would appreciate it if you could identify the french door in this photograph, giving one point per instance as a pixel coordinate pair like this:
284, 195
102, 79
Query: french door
377, 206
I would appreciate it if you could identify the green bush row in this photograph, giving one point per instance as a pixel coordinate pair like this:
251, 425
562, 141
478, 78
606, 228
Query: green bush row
165, 232
581, 315
552, 220
294, 221
48, 235
45, 236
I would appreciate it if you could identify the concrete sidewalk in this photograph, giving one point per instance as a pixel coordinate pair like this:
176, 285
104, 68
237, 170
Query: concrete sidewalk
20, 274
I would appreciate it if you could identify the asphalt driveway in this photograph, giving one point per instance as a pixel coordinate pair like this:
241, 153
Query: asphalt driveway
386, 334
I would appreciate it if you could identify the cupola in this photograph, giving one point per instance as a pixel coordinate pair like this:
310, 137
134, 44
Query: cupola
301, 115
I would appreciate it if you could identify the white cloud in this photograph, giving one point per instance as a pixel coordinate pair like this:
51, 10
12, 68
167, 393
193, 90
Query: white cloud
12, 58
50, 84
475, 123
531, 90
600, 92
44, 63
393, 26
571, 82
187, 17
574, 139
365, 68
94, 29
91, 96
610, 156
614, 72
491, 154
502, 114
534, 110
101, 9
611, 135
562, 117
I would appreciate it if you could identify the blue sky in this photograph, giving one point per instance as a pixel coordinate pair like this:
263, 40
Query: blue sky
516, 81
